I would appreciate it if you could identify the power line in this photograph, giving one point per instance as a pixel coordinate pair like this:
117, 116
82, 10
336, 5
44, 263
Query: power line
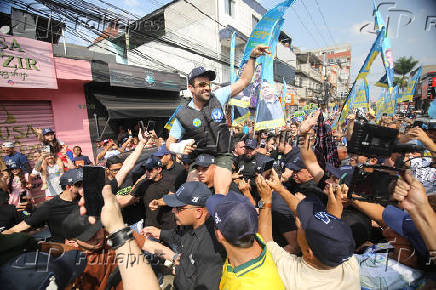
325, 22
304, 26
314, 24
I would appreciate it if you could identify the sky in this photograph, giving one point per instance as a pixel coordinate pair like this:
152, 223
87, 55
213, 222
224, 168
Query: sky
344, 19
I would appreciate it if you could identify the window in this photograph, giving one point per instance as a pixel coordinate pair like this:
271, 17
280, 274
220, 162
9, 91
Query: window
229, 6
254, 21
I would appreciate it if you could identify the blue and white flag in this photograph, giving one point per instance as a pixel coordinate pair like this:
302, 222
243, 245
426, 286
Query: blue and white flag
388, 60
407, 95
361, 98
269, 112
240, 104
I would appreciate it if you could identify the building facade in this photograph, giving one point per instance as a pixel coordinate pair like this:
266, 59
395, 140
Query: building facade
337, 62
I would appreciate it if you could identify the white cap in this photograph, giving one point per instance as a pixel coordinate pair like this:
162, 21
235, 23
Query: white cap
8, 145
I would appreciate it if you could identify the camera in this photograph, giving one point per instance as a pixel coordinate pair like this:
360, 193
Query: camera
372, 140
376, 186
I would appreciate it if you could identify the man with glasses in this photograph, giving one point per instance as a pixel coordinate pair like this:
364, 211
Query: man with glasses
197, 254
203, 119
54, 211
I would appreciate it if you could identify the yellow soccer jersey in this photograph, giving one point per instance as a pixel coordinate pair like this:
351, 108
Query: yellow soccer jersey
259, 273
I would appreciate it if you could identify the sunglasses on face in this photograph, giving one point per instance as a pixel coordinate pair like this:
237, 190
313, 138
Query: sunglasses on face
203, 85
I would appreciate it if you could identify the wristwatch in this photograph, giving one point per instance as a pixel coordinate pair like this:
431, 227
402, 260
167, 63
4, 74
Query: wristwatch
261, 204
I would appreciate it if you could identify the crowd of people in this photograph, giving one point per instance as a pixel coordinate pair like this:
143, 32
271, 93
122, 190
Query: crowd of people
221, 209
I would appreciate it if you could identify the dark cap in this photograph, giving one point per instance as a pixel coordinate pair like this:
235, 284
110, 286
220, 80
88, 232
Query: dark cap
186, 159
344, 173
78, 227
233, 214
72, 176
161, 151
263, 163
193, 193
151, 163
199, 72
329, 238
47, 131
12, 165
251, 143
204, 160
296, 163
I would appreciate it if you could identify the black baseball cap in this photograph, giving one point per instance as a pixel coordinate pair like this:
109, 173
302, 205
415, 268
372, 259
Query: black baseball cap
329, 238
233, 214
296, 163
72, 176
345, 173
204, 160
200, 72
151, 163
78, 227
251, 143
193, 193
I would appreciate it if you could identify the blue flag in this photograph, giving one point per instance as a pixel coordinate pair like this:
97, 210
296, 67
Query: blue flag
269, 112
407, 95
388, 60
261, 91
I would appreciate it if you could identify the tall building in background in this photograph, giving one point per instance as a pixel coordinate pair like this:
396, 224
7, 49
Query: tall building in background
337, 68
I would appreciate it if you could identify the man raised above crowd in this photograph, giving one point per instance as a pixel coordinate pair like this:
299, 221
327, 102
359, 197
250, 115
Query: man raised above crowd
203, 119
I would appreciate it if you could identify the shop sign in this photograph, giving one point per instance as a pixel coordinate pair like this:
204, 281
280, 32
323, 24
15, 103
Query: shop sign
26, 63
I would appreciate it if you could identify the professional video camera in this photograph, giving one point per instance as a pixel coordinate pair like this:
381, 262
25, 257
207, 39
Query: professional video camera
375, 183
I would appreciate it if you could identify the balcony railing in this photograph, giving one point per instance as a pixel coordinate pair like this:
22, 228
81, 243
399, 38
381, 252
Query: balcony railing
309, 71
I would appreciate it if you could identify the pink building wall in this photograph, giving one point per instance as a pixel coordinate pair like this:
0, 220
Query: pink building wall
68, 102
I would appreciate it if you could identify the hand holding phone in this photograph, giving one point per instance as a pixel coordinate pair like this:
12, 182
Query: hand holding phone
94, 179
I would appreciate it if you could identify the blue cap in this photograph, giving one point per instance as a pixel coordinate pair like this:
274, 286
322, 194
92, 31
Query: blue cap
233, 214
151, 163
344, 172
161, 151
329, 238
263, 163
193, 193
72, 176
186, 159
47, 131
402, 224
296, 163
204, 160
12, 165
37, 268
200, 72
251, 143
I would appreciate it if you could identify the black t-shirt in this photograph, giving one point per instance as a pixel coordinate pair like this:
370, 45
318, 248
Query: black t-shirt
9, 216
52, 212
174, 176
162, 218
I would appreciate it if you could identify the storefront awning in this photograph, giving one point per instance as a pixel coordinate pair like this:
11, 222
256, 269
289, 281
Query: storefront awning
123, 108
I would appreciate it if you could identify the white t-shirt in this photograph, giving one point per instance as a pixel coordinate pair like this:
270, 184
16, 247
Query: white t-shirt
297, 274
53, 180
422, 170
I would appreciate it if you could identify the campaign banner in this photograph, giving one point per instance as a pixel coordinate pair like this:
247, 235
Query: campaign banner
407, 95
386, 50
232, 58
379, 105
375, 49
239, 103
261, 91
27, 63
390, 101
361, 99
299, 116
